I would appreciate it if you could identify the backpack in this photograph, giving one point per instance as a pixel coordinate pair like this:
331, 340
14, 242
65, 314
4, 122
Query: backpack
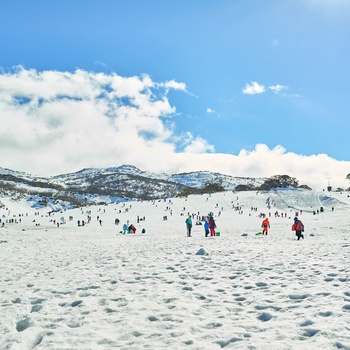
296, 226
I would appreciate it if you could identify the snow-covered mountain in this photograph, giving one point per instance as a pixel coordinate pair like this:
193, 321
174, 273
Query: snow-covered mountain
105, 185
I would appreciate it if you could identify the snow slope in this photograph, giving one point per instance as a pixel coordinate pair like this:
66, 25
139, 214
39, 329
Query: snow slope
91, 287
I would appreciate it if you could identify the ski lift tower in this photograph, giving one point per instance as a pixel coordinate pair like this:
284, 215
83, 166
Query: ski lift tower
329, 187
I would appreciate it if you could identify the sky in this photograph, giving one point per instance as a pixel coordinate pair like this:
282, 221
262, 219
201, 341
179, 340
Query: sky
241, 87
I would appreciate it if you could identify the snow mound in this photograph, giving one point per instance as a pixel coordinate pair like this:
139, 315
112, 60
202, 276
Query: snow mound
202, 252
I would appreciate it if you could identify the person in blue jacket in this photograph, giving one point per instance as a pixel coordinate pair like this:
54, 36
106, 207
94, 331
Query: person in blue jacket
125, 228
206, 228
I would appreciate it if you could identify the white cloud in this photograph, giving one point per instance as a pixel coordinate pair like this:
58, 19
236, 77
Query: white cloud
100, 63
172, 84
256, 88
56, 122
253, 88
52, 122
198, 145
277, 88
209, 110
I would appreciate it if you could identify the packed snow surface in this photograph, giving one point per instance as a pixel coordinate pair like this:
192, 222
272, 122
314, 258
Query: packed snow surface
64, 286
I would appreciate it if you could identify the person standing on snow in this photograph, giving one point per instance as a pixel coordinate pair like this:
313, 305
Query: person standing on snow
265, 226
298, 227
206, 228
212, 226
188, 222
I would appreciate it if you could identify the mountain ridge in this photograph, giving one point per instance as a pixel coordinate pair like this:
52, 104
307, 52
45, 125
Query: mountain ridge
123, 183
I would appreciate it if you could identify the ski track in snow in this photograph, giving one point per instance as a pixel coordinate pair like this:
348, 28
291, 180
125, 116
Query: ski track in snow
94, 288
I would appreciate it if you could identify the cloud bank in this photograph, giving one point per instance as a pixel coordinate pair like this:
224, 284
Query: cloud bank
56, 122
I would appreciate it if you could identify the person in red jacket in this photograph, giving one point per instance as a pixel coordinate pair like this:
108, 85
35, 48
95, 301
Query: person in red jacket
298, 227
265, 226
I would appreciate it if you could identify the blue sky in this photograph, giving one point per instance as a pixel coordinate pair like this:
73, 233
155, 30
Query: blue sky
241, 78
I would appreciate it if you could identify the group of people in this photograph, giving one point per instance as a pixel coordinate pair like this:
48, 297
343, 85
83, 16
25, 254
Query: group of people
209, 226
298, 227
130, 229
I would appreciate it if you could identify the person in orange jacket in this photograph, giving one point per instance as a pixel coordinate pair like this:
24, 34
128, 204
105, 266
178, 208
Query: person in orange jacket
265, 226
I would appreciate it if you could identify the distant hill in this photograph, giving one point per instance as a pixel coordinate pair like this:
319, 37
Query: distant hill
94, 185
